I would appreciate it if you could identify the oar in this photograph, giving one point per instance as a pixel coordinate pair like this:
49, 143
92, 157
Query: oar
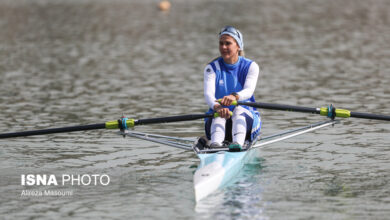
325, 111
118, 124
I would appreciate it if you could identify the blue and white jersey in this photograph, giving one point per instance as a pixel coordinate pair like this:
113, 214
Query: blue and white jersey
222, 79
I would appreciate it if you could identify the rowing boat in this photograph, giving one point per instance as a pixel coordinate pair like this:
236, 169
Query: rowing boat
218, 167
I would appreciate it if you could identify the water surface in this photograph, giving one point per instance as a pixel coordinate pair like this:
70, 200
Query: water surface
82, 62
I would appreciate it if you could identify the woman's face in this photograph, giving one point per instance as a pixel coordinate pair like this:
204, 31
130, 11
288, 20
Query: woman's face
228, 48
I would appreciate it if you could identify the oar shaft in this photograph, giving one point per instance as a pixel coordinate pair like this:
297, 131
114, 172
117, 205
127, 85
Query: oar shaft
370, 116
281, 107
172, 119
53, 130
322, 111
109, 125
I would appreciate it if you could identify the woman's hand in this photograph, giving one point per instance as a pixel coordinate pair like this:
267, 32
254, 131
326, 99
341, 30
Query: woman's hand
223, 112
227, 100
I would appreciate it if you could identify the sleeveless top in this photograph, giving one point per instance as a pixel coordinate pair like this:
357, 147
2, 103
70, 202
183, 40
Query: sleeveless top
230, 77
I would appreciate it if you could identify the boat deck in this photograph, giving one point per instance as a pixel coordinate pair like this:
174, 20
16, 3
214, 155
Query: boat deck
201, 146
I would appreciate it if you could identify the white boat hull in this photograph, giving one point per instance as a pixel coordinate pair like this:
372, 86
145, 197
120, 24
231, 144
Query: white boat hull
216, 170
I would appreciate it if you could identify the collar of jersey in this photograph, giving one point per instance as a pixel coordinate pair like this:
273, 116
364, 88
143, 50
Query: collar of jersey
232, 66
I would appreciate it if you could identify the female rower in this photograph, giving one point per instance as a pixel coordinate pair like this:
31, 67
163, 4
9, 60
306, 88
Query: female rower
231, 77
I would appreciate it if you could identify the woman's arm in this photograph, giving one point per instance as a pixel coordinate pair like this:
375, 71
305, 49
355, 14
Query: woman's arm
209, 86
209, 93
250, 82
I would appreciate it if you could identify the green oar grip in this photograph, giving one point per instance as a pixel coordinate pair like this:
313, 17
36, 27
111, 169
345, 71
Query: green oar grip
233, 103
216, 114
115, 124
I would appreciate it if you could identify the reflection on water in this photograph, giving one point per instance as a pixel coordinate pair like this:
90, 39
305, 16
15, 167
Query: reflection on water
83, 62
